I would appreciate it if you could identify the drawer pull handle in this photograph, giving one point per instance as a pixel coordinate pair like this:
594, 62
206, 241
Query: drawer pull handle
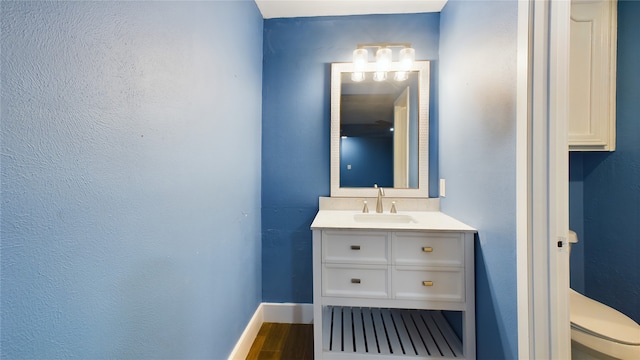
427, 249
427, 283
355, 281
355, 247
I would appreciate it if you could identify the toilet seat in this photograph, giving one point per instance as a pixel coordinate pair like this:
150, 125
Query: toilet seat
601, 332
599, 320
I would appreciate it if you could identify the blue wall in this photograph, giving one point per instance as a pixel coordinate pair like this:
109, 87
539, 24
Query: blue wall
576, 219
611, 191
130, 178
296, 122
370, 159
477, 154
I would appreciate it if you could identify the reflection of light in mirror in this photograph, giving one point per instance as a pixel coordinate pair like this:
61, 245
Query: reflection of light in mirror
357, 76
391, 129
344, 136
401, 76
379, 76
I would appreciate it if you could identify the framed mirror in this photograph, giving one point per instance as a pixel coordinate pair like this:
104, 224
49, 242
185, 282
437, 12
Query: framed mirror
380, 132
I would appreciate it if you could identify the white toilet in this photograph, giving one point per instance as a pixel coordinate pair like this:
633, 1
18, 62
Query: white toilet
598, 331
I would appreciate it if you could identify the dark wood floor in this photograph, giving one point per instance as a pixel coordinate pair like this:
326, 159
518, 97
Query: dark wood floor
283, 341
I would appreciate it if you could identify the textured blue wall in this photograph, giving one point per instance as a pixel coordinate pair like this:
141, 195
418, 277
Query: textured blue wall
130, 178
611, 187
370, 159
296, 122
576, 218
477, 154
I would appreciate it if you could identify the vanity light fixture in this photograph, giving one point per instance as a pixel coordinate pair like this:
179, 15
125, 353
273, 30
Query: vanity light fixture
384, 59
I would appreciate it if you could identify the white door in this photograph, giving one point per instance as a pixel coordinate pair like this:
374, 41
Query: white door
401, 141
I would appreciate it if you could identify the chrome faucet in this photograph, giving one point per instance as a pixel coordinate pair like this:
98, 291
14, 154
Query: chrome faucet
380, 195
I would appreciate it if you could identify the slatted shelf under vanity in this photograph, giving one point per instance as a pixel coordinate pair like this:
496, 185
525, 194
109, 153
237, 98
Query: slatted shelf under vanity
419, 334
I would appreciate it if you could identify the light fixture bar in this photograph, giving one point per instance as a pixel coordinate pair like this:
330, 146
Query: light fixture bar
384, 60
381, 45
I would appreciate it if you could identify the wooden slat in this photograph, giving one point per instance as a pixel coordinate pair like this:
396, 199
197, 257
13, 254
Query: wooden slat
386, 332
437, 335
327, 313
336, 336
416, 340
347, 330
396, 348
370, 337
409, 349
358, 330
427, 338
452, 339
444, 348
381, 334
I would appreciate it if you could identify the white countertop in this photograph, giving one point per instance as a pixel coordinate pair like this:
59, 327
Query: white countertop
420, 220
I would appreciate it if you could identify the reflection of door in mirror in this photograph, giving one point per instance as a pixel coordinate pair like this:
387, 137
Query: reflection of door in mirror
401, 141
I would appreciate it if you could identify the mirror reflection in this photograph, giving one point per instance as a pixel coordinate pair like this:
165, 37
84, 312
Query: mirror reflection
379, 133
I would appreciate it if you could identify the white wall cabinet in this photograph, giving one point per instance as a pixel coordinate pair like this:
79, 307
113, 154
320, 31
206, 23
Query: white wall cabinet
378, 293
592, 88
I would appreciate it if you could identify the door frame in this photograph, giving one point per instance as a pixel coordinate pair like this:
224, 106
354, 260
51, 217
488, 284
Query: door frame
401, 126
542, 199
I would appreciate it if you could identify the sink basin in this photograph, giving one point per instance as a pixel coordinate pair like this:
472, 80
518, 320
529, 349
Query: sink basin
383, 218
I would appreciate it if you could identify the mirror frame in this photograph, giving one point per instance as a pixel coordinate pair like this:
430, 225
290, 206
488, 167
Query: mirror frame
423, 137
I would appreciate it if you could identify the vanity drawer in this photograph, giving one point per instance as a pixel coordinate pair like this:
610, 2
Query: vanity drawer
441, 249
419, 284
355, 247
352, 281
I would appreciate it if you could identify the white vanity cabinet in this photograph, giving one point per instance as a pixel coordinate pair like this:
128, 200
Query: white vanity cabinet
378, 292
592, 75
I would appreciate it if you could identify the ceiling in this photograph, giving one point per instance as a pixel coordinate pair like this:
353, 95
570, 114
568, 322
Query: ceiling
304, 8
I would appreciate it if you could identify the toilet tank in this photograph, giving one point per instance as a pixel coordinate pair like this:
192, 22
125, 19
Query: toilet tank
573, 238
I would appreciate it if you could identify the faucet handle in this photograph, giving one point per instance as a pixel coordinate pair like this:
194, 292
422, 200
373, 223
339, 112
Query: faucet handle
393, 207
365, 208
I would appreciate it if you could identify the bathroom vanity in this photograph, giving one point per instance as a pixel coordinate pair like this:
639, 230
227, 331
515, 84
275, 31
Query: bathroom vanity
385, 283
381, 282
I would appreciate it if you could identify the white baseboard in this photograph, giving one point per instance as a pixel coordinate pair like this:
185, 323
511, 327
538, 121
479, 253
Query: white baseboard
241, 350
289, 313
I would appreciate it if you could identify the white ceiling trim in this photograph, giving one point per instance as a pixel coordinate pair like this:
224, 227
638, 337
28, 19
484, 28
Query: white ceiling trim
305, 8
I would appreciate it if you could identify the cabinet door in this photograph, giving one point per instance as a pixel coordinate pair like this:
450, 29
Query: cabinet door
355, 281
355, 247
592, 75
428, 249
413, 283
